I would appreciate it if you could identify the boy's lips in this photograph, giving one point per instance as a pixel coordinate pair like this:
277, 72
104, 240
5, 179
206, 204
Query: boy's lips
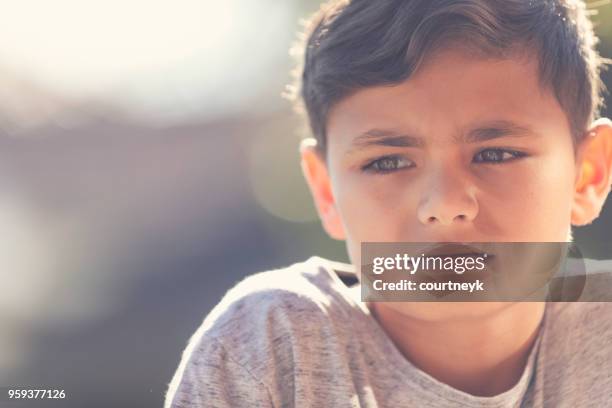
455, 250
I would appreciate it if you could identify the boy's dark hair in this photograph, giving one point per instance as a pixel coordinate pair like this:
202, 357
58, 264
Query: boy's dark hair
353, 44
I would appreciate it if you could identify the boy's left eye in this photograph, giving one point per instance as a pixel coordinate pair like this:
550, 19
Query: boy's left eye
497, 155
388, 164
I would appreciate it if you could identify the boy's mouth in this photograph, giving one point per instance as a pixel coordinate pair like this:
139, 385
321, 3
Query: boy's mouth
462, 273
455, 250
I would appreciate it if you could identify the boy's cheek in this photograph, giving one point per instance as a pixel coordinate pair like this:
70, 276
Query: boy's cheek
373, 213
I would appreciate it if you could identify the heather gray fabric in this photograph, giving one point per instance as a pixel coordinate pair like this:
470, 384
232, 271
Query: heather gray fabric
299, 337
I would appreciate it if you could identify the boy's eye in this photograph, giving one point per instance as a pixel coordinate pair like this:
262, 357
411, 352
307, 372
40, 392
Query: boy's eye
497, 155
388, 164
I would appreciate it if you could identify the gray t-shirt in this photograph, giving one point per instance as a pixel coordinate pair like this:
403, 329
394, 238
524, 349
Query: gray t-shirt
298, 337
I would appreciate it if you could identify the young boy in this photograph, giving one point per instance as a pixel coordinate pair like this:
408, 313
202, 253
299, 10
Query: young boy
433, 121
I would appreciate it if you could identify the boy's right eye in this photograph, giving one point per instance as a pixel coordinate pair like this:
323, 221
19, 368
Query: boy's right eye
388, 164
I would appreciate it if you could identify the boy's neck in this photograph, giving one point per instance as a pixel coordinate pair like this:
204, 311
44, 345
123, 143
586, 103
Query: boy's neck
483, 357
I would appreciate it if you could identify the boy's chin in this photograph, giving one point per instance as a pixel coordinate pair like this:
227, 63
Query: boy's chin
440, 312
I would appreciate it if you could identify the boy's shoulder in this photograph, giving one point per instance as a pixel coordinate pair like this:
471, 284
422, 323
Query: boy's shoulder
264, 329
575, 350
580, 331
590, 321
279, 302
272, 322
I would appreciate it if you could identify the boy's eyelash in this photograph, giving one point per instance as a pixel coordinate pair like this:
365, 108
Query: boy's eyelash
381, 165
514, 153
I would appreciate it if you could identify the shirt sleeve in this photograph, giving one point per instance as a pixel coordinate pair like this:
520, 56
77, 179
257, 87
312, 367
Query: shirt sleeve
209, 377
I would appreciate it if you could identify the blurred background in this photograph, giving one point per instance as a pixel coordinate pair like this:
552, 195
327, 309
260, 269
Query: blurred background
147, 163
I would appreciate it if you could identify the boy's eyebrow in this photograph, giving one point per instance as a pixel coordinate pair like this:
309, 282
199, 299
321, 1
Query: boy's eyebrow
481, 133
495, 129
384, 137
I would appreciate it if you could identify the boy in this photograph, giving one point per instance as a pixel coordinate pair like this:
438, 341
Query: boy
433, 121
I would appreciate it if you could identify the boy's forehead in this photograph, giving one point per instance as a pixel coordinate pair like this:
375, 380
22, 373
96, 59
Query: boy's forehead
451, 90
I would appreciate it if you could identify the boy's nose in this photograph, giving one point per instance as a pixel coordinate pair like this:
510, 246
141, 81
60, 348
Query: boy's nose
447, 200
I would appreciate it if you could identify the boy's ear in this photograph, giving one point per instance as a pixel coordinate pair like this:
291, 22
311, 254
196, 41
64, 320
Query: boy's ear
317, 177
593, 180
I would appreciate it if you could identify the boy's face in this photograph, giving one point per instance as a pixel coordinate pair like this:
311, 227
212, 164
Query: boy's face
492, 157
474, 150
467, 149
